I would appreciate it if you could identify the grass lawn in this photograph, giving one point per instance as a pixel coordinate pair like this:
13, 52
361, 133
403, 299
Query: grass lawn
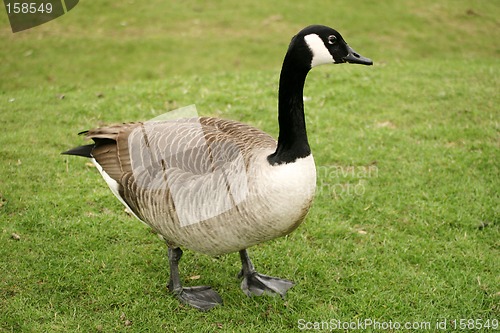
405, 225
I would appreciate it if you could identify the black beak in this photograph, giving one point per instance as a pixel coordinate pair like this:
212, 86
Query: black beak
355, 58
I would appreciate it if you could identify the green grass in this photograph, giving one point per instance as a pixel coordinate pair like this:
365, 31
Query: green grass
405, 225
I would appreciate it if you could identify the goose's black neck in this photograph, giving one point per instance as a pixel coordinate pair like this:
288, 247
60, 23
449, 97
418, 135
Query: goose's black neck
292, 140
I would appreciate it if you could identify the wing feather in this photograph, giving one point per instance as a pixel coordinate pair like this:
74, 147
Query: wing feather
183, 170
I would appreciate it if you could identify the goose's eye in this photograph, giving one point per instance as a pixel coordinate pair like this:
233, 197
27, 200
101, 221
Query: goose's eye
332, 39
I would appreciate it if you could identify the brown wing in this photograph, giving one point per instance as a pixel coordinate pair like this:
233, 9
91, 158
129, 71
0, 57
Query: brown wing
154, 161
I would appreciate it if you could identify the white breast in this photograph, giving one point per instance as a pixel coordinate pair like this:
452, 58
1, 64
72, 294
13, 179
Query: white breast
289, 190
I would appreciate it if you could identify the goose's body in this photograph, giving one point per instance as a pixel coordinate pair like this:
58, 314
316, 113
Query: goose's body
204, 183
218, 186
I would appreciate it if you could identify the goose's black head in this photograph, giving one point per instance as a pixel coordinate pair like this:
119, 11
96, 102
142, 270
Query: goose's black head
318, 45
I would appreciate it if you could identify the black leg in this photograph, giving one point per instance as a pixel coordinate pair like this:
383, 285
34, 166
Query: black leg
202, 297
257, 284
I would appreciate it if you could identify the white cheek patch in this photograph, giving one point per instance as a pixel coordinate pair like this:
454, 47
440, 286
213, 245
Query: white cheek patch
321, 55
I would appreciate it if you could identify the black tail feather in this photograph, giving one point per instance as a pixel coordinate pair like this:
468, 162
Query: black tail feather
84, 151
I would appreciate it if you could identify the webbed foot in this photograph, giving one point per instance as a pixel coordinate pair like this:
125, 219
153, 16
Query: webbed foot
203, 298
256, 284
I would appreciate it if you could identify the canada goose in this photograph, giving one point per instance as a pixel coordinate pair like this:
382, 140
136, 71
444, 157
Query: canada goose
218, 186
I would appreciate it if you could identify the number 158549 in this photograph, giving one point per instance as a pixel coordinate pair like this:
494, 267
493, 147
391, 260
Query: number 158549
28, 8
